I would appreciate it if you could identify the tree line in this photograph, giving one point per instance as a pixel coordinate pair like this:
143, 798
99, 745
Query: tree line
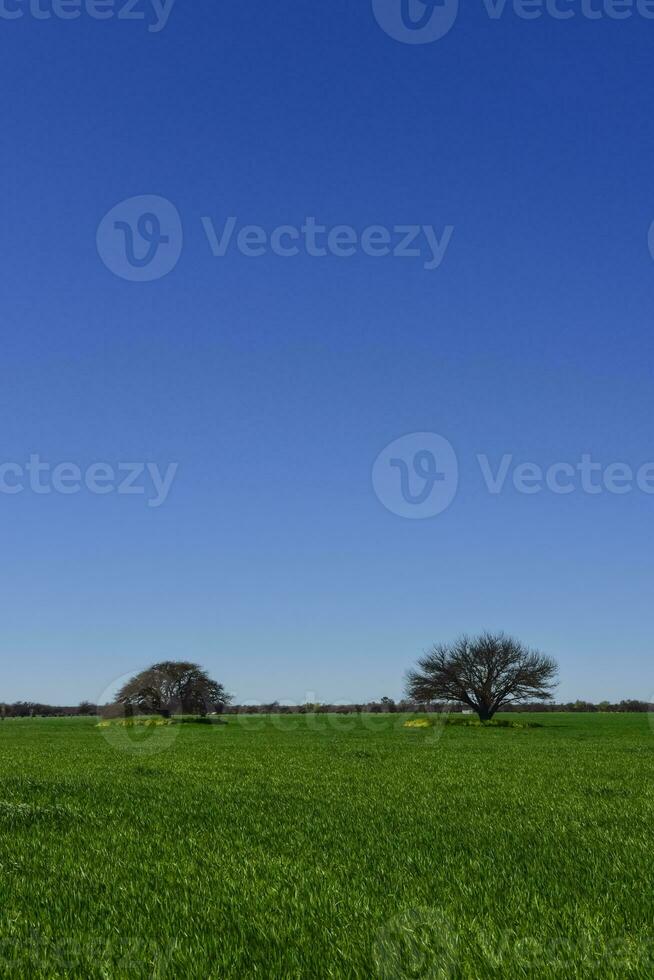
34, 709
482, 674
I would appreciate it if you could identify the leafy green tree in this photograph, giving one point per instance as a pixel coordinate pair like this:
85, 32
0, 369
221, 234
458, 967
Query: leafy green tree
173, 687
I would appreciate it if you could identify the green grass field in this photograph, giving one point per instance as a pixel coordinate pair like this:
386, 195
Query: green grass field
328, 847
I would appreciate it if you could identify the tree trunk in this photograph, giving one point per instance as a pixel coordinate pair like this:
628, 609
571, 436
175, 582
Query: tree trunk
485, 713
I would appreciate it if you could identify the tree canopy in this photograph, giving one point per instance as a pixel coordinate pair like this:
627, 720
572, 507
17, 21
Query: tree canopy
484, 673
173, 687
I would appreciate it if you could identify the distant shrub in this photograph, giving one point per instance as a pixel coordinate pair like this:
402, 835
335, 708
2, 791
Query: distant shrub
460, 722
197, 720
135, 723
493, 723
145, 721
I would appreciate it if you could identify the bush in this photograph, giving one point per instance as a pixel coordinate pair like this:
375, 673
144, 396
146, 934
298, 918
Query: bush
145, 721
468, 723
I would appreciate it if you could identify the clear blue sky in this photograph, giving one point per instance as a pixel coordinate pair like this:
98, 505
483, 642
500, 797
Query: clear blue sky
276, 382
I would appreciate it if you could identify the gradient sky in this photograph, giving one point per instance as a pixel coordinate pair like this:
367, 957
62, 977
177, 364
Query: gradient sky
276, 382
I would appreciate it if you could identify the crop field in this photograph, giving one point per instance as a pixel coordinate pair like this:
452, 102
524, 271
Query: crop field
328, 846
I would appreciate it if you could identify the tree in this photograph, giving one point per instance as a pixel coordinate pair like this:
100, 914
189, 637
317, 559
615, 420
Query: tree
87, 708
173, 686
484, 672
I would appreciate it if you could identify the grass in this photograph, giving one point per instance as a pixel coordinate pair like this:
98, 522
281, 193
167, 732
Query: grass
326, 846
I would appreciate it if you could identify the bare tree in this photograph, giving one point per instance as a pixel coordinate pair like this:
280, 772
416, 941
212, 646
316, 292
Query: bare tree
484, 673
173, 686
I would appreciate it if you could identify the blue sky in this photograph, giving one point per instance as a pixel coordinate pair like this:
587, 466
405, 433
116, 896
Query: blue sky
275, 382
